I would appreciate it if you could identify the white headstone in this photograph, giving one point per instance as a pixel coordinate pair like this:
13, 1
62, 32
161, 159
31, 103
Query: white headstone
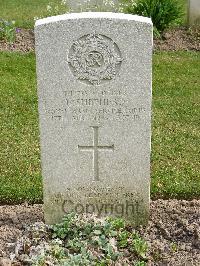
92, 5
94, 88
194, 12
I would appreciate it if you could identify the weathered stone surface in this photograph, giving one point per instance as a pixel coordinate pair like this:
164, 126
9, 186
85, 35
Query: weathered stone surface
94, 88
92, 5
194, 12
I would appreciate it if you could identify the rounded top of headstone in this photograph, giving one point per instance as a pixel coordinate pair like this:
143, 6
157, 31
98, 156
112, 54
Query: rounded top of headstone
93, 15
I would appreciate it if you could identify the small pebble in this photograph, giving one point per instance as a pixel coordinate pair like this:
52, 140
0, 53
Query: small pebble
5, 262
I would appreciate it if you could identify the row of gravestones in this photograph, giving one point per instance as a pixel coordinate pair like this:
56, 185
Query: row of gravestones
94, 73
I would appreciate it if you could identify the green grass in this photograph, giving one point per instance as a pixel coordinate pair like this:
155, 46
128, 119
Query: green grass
176, 127
20, 168
184, 3
24, 11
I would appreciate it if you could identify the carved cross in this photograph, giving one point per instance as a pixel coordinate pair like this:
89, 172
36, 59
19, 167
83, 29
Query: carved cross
95, 149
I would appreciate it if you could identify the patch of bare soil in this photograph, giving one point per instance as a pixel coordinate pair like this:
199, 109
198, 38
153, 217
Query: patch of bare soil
24, 42
178, 39
13, 219
172, 234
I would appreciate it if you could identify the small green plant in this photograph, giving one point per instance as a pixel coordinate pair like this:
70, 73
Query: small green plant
174, 247
163, 13
123, 239
84, 240
117, 223
139, 246
7, 30
78, 234
63, 229
140, 263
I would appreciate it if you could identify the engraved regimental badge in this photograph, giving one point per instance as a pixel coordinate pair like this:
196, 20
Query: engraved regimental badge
94, 59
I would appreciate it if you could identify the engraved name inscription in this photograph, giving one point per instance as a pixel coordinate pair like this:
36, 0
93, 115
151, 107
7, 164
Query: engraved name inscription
100, 105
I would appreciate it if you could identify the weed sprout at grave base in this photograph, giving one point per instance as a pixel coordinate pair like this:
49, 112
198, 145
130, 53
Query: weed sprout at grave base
8, 30
83, 240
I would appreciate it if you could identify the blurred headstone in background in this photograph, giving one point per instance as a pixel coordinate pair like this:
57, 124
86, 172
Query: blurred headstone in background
93, 5
194, 12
